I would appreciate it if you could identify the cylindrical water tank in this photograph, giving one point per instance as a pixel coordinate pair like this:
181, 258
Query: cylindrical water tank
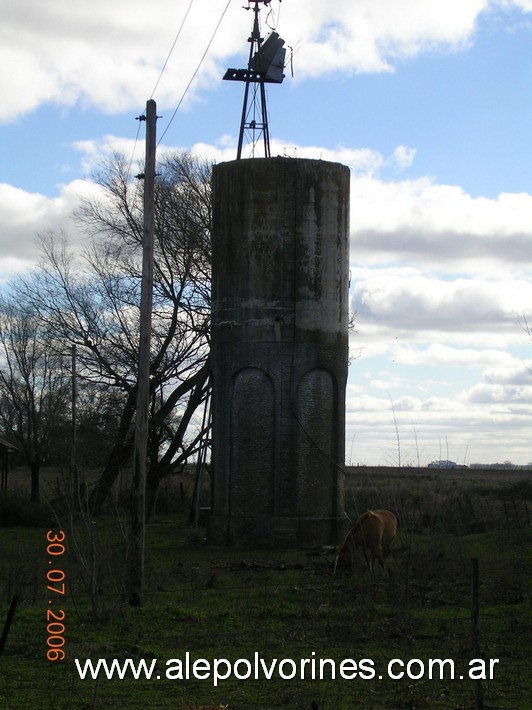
279, 350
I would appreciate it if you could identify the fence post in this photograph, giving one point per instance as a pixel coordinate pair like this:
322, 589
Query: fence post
9, 619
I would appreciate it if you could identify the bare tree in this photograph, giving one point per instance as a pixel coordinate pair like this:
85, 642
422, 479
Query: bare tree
95, 305
34, 386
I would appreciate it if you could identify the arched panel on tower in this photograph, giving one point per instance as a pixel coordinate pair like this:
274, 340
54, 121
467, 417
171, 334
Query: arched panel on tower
279, 350
252, 440
316, 406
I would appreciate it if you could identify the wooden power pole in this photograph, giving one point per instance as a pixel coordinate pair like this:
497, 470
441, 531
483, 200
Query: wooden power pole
138, 527
74, 478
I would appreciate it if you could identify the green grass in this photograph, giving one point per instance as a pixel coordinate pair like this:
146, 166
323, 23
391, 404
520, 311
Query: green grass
227, 603
284, 604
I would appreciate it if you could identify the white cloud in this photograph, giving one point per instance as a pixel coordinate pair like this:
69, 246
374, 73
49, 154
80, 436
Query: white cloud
518, 374
362, 161
370, 34
106, 54
505, 395
418, 221
97, 151
387, 381
441, 355
407, 300
403, 157
110, 55
481, 424
396, 220
26, 214
525, 5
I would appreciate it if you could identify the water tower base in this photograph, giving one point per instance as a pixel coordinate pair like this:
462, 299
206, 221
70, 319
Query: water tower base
279, 533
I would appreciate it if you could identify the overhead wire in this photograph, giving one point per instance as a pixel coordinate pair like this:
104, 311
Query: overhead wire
140, 118
172, 48
195, 72
134, 149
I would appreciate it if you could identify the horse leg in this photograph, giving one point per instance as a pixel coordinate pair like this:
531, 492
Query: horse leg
369, 559
379, 555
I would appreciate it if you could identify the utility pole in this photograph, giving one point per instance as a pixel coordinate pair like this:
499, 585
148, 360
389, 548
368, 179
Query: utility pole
138, 527
74, 481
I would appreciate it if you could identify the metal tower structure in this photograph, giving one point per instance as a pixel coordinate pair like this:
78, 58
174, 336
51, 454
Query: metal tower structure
265, 66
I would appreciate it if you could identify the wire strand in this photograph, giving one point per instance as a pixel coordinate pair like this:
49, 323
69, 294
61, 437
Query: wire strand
128, 174
195, 72
159, 80
172, 48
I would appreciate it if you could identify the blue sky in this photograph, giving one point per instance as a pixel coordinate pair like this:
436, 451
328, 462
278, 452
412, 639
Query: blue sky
430, 104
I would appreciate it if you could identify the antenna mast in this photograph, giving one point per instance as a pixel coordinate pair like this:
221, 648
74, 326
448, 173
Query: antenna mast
265, 66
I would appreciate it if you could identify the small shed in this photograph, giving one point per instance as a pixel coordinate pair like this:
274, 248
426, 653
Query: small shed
6, 448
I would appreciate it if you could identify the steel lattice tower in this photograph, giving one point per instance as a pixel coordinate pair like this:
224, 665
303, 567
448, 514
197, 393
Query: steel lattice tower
265, 66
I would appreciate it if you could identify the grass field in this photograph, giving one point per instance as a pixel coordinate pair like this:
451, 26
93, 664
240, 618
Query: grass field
217, 603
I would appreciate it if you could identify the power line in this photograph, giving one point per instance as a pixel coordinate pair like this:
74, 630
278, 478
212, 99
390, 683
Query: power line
139, 118
172, 48
134, 149
191, 80
195, 72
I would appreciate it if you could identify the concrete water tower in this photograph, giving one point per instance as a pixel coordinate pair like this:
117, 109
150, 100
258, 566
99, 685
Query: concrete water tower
279, 351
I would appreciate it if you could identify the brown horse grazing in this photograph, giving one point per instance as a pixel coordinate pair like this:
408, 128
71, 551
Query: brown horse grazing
374, 533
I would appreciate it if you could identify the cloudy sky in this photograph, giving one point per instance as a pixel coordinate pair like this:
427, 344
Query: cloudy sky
430, 104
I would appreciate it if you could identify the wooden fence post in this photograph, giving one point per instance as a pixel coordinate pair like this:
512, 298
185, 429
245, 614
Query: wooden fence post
9, 619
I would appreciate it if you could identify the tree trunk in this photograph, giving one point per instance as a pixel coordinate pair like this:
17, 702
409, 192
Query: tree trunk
121, 451
35, 469
152, 489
